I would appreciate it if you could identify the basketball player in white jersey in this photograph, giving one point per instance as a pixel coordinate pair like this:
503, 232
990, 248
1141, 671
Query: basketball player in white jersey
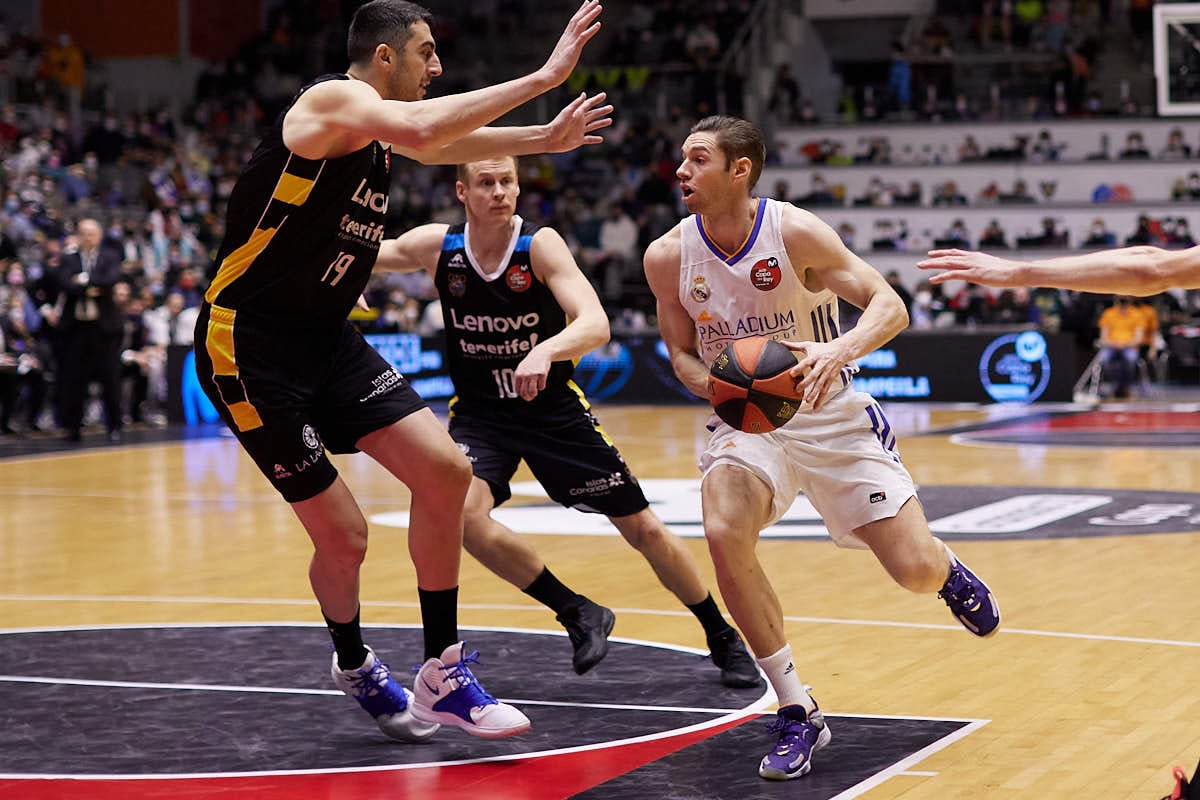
744, 266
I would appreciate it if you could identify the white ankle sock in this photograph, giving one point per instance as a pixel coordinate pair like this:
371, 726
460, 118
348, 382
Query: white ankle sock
781, 672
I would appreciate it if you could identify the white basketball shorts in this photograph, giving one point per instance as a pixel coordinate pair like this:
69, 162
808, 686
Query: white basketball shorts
843, 458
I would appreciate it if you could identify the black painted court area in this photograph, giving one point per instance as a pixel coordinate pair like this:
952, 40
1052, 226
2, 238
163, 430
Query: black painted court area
725, 766
228, 721
203, 700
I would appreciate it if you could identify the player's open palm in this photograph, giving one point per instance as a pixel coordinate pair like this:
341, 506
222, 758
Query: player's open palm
579, 31
574, 124
820, 365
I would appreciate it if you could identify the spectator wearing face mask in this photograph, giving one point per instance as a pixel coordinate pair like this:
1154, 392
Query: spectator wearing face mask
1099, 235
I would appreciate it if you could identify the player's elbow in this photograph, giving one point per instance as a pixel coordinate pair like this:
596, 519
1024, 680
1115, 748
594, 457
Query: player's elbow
424, 140
1146, 270
416, 132
897, 312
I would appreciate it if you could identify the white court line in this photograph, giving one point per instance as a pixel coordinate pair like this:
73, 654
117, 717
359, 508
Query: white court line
902, 767
68, 598
203, 687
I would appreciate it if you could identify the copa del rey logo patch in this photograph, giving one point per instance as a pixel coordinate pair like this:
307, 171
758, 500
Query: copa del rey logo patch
765, 274
518, 277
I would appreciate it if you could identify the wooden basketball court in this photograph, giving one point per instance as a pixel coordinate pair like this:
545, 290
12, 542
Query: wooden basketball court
1089, 690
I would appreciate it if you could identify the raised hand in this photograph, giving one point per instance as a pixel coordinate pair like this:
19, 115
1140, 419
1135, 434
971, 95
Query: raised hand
579, 31
572, 126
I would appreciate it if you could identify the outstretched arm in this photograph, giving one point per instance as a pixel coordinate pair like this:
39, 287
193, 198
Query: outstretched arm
1128, 270
572, 128
415, 250
338, 117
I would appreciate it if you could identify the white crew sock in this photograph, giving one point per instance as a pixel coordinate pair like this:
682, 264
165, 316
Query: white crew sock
781, 672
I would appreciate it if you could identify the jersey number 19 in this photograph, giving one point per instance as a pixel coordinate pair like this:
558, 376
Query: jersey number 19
338, 268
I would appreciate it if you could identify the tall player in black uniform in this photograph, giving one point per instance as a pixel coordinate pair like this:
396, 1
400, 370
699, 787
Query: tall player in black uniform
507, 288
292, 378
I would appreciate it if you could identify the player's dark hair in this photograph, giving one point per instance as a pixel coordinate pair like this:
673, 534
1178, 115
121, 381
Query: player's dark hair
382, 22
464, 173
737, 138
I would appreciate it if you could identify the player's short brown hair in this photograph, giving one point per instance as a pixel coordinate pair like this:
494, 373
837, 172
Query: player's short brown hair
382, 22
737, 138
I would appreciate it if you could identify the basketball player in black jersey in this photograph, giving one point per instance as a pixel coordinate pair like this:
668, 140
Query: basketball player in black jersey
507, 288
294, 380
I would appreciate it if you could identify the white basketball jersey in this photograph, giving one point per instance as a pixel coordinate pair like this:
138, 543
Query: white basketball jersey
754, 291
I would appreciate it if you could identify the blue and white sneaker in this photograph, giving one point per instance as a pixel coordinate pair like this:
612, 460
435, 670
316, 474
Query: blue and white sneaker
970, 600
801, 734
384, 699
446, 692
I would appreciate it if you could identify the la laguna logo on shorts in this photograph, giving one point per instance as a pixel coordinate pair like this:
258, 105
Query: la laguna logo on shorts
518, 278
765, 275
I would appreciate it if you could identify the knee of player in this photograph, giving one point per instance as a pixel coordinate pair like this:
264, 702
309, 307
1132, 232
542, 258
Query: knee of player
641, 530
347, 545
455, 470
726, 535
477, 528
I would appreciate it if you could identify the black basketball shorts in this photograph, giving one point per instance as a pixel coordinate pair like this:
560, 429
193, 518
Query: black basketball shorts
567, 451
292, 395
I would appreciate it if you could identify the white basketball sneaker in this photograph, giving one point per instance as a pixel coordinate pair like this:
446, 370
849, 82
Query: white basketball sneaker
446, 692
384, 699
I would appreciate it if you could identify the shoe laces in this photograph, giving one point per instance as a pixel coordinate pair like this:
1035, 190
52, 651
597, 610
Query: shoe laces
462, 680
790, 731
958, 589
370, 681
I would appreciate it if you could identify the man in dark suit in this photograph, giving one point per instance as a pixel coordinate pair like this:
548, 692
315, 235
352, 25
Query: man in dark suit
90, 328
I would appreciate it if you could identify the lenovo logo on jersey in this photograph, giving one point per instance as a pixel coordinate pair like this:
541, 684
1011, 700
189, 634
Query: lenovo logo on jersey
376, 201
481, 324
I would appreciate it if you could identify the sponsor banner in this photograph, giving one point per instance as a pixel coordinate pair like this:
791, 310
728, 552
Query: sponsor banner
954, 512
951, 366
971, 367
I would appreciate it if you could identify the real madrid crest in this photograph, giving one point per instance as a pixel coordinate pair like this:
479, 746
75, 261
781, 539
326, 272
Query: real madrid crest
700, 290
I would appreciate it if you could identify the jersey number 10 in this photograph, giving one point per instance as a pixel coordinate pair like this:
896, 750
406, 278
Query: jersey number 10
504, 382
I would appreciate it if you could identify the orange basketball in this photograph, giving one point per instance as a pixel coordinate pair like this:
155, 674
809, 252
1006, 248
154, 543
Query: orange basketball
749, 385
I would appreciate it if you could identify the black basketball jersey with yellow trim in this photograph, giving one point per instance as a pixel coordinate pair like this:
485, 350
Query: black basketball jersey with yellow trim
301, 236
493, 321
